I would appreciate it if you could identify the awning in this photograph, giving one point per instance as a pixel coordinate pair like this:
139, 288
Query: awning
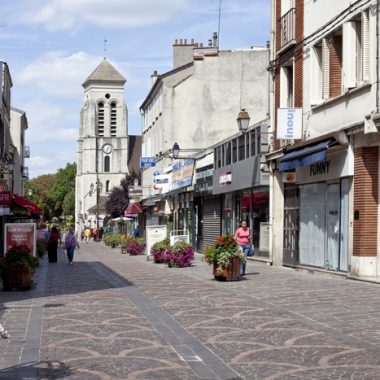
134, 208
20, 201
305, 156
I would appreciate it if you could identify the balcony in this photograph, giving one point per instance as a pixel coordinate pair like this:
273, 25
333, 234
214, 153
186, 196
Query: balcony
25, 172
287, 28
26, 152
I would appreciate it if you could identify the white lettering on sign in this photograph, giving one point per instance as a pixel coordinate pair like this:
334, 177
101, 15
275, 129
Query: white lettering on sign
320, 168
289, 125
225, 178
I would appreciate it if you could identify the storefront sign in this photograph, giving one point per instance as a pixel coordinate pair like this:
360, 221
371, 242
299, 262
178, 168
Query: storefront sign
204, 177
182, 174
337, 165
289, 123
20, 233
225, 179
5, 198
289, 177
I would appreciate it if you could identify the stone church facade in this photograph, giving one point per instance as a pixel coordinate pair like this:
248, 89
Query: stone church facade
102, 144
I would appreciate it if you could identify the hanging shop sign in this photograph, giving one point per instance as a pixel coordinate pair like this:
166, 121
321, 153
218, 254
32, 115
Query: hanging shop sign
289, 123
182, 174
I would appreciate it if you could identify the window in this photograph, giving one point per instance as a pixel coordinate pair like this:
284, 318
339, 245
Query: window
107, 186
286, 86
228, 153
106, 164
113, 120
234, 150
241, 140
253, 142
100, 119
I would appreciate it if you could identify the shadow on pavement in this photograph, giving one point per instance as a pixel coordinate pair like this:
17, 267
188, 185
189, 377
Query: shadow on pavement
37, 370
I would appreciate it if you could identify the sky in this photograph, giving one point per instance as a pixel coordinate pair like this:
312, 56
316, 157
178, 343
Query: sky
52, 46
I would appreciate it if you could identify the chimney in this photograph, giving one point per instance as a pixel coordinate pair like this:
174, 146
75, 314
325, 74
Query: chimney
154, 77
183, 52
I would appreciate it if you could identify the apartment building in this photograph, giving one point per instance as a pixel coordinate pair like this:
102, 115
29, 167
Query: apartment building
324, 161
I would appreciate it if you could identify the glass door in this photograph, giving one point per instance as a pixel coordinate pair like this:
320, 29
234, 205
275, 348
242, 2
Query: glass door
333, 226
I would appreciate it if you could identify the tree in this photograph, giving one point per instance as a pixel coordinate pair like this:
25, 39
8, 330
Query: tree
63, 186
41, 187
118, 199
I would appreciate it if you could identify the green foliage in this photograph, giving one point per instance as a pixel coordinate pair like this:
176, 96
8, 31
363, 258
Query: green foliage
41, 247
114, 240
221, 252
18, 255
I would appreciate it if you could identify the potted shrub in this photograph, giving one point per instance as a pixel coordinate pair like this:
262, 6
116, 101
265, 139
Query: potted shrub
159, 251
180, 255
225, 257
134, 246
16, 268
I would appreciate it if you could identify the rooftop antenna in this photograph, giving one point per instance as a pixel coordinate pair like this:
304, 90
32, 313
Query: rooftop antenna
105, 48
220, 12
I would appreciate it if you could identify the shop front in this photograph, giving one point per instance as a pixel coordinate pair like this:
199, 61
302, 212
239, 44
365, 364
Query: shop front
316, 210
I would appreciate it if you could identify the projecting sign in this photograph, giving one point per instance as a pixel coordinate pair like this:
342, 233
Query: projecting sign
147, 162
289, 123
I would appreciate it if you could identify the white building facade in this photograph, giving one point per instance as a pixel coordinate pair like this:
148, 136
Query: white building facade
325, 204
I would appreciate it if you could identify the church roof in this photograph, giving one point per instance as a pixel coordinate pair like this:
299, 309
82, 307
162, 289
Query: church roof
105, 72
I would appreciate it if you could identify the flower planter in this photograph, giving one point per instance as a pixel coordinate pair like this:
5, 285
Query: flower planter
230, 273
17, 277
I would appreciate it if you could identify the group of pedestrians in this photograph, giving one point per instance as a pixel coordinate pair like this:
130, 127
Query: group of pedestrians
53, 238
87, 234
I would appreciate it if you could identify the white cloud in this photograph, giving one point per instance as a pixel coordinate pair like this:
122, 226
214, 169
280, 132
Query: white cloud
58, 73
57, 15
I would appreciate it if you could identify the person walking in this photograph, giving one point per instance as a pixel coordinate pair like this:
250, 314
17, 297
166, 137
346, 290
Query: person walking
54, 239
70, 244
87, 233
243, 238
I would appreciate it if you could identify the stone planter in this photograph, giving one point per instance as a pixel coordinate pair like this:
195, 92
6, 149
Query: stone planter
230, 273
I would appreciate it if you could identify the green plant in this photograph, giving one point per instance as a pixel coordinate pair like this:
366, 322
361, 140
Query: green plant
15, 266
221, 253
41, 247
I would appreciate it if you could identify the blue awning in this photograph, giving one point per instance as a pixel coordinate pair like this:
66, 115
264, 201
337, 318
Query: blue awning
304, 156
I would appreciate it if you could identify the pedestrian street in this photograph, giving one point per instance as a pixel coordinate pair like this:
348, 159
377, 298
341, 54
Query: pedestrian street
113, 316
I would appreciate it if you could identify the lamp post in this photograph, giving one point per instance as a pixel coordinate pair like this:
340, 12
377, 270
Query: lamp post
99, 188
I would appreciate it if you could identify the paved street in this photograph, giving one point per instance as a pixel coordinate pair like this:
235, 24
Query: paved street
110, 316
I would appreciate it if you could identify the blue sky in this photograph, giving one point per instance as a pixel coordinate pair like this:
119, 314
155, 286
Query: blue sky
51, 46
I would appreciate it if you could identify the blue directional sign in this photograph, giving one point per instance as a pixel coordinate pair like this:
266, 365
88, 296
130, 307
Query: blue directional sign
147, 162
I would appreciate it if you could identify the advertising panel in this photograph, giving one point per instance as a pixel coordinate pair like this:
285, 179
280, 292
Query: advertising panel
20, 233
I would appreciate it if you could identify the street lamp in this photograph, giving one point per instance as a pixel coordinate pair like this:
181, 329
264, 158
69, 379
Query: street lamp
175, 150
99, 188
243, 120
30, 193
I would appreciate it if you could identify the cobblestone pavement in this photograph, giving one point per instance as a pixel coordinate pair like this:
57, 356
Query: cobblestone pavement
112, 316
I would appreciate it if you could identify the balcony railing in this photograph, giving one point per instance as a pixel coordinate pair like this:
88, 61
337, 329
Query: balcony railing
26, 152
287, 22
25, 172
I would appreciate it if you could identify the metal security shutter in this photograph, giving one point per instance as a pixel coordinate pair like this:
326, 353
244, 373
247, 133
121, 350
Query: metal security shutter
212, 219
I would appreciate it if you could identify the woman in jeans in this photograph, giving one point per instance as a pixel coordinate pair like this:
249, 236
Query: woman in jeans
243, 238
70, 244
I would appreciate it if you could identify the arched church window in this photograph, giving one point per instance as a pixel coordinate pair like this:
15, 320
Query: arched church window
100, 125
113, 116
107, 186
107, 164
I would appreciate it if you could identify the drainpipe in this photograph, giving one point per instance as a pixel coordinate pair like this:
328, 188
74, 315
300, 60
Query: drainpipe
377, 58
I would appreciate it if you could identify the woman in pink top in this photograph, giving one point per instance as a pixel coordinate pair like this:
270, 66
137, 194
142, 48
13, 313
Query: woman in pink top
243, 238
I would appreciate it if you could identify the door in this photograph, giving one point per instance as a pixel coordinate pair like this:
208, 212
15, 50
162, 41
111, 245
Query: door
291, 229
332, 226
